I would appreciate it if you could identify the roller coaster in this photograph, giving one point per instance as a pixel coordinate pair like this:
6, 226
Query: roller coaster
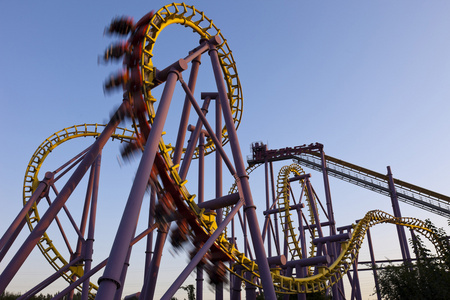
292, 253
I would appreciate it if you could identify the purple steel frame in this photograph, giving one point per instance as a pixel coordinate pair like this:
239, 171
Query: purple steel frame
115, 266
19, 258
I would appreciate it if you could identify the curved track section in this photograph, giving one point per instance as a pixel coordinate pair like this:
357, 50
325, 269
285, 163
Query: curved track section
328, 276
189, 16
283, 192
31, 181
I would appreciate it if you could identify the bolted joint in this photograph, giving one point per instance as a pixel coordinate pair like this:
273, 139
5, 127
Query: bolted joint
48, 181
249, 207
213, 42
177, 67
211, 95
117, 283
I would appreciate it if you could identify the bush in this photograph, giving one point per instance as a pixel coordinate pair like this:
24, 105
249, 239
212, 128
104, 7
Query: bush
427, 278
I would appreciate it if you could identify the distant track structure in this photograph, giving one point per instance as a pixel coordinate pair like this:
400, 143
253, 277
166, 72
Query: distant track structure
310, 157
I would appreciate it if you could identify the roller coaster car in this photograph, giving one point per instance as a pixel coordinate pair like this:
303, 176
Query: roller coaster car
179, 234
116, 51
164, 210
145, 19
129, 149
217, 272
134, 83
116, 81
121, 26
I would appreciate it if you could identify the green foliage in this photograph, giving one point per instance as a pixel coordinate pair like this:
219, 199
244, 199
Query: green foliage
190, 289
427, 278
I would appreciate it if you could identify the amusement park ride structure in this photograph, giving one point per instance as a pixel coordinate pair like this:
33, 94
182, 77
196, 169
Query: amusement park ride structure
298, 250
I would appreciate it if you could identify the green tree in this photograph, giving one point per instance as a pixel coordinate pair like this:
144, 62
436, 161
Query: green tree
427, 278
190, 289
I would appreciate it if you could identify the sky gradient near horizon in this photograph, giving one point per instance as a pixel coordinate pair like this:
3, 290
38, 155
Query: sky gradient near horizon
369, 80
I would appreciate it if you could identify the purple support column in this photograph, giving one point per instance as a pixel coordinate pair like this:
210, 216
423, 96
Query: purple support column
110, 281
80, 280
17, 225
84, 217
272, 183
148, 289
250, 209
219, 286
301, 273
285, 229
356, 288
250, 289
236, 288
201, 183
55, 276
199, 283
119, 291
288, 273
372, 259
313, 207
302, 231
34, 237
148, 251
200, 254
396, 208
23, 212
186, 110
193, 141
269, 236
208, 127
89, 244
330, 211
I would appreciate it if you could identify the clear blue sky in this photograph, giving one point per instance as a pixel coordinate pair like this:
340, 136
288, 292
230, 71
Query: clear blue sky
369, 80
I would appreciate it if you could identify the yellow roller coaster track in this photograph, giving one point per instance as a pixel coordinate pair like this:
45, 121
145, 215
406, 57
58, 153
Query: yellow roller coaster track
328, 276
31, 182
325, 278
283, 191
189, 16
